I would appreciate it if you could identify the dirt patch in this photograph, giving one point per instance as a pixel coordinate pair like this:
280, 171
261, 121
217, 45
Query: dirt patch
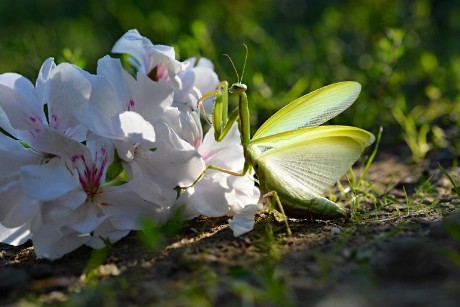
400, 247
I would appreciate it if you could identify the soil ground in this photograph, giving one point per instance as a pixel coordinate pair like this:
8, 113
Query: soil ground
401, 247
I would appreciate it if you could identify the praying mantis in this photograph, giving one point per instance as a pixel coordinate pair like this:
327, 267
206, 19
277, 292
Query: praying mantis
295, 159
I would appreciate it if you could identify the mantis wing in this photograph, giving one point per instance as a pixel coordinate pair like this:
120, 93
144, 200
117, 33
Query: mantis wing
303, 164
312, 109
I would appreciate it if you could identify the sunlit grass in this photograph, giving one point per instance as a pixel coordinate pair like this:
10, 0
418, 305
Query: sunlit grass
454, 181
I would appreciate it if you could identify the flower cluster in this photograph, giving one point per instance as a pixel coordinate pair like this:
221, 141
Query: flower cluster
86, 158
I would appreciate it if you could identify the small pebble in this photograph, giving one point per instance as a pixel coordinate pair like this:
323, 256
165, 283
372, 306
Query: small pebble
335, 231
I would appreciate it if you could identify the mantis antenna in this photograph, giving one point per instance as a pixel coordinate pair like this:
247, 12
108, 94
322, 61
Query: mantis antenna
244, 66
245, 59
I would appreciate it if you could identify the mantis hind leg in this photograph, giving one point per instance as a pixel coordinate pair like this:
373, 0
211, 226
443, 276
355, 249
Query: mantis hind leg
221, 120
274, 198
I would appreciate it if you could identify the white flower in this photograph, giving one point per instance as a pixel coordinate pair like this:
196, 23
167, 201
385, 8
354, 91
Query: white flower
156, 61
22, 116
22, 104
78, 206
56, 187
219, 193
190, 79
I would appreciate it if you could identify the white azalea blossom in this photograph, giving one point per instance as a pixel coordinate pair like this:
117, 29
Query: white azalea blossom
190, 79
89, 209
156, 61
22, 116
218, 193
22, 104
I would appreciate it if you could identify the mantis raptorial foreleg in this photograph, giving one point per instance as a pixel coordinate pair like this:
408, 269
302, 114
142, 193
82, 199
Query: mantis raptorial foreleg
221, 122
220, 93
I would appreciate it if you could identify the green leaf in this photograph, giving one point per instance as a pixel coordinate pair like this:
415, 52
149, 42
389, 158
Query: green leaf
114, 170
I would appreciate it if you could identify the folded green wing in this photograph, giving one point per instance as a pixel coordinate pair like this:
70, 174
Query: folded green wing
312, 109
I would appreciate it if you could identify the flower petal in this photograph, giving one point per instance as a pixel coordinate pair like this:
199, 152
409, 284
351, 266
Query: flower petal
50, 141
16, 155
206, 81
106, 231
177, 161
53, 241
245, 192
15, 236
153, 98
186, 124
62, 210
92, 100
20, 104
243, 220
131, 129
127, 210
132, 125
48, 181
6, 125
42, 81
64, 88
16, 208
133, 43
208, 196
227, 154
150, 186
26, 98
86, 218
122, 82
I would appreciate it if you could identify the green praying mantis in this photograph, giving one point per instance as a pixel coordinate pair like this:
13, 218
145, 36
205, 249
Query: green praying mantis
295, 159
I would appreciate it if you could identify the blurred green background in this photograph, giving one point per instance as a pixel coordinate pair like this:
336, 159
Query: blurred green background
406, 54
